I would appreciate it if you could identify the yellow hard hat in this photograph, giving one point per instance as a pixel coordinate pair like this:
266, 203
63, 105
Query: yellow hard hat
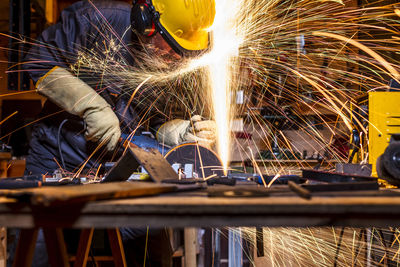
182, 23
186, 21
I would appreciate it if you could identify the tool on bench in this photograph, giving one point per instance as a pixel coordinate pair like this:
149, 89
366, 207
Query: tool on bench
16, 184
282, 179
325, 181
299, 190
335, 177
258, 191
224, 180
27, 181
31, 181
336, 187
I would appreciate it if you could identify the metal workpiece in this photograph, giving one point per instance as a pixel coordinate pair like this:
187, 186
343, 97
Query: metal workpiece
151, 160
335, 177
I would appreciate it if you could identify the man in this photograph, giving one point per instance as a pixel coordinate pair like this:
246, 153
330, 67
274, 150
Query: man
83, 112
178, 26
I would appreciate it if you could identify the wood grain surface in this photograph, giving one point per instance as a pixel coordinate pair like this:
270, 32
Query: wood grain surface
196, 209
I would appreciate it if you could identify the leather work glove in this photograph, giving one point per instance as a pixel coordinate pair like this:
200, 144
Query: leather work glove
75, 96
178, 131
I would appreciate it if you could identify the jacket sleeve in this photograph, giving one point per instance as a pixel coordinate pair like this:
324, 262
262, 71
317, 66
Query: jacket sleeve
58, 45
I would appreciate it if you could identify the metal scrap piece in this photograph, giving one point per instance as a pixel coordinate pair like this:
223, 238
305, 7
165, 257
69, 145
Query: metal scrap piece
151, 160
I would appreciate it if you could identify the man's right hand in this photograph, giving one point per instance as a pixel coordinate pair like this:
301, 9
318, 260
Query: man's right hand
102, 125
75, 96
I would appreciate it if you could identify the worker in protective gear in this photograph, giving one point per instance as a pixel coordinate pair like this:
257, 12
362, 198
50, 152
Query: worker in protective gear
170, 26
82, 112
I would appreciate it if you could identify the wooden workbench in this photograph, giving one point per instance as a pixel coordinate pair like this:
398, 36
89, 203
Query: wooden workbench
196, 209
369, 208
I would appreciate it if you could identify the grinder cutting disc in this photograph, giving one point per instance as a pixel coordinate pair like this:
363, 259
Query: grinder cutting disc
205, 161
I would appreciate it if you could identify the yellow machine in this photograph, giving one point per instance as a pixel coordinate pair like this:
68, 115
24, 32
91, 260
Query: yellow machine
384, 120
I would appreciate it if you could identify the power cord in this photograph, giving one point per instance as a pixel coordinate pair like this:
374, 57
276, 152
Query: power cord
59, 143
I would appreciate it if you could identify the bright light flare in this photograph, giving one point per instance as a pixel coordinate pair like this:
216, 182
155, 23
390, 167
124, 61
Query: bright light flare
221, 62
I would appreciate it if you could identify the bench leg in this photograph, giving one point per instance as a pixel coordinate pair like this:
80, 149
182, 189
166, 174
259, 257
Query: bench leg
25, 247
117, 248
56, 249
85, 241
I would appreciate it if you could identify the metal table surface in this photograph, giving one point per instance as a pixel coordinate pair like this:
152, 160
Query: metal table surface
196, 209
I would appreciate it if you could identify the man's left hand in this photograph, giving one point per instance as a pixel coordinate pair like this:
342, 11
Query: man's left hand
201, 131
178, 131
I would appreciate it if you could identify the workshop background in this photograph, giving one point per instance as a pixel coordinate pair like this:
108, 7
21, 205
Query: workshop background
302, 138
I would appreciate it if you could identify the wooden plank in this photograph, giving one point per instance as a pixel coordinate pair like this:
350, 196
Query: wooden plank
179, 204
25, 248
85, 242
117, 249
65, 195
198, 210
178, 219
56, 249
257, 205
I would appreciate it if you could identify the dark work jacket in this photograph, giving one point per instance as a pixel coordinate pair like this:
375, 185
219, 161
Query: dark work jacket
83, 27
